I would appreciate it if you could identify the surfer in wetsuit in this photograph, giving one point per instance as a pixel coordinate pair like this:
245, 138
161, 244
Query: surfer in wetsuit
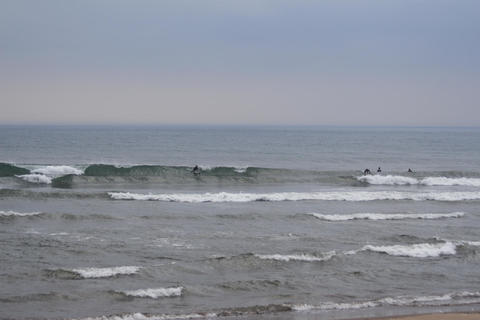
379, 170
410, 170
196, 170
367, 171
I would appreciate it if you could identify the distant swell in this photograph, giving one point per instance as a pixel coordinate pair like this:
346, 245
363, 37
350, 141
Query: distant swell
428, 181
297, 196
386, 216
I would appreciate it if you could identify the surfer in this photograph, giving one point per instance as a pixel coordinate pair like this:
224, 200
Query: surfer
196, 170
379, 170
367, 171
410, 170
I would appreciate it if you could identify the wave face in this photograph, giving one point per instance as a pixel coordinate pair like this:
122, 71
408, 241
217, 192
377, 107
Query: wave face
9, 170
427, 181
297, 196
386, 216
155, 293
297, 257
18, 214
420, 250
106, 272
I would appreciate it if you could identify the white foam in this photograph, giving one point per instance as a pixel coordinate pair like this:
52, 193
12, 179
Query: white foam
141, 316
385, 216
155, 293
296, 196
420, 250
18, 214
389, 179
106, 272
296, 257
428, 181
36, 178
395, 301
443, 181
57, 170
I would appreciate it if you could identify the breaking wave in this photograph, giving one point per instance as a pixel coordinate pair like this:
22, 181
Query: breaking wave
155, 293
297, 257
87, 273
420, 250
57, 170
427, 181
386, 216
35, 178
297, 196
18, 214
455, 298
449, 299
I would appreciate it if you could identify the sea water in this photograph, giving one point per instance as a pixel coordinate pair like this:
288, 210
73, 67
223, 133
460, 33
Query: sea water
110, 221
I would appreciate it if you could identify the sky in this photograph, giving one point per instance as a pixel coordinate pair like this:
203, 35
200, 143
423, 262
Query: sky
302, 62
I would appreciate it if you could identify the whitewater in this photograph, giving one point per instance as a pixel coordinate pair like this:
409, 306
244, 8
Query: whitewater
278, 222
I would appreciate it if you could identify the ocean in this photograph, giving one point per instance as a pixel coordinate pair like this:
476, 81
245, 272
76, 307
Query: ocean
110, 222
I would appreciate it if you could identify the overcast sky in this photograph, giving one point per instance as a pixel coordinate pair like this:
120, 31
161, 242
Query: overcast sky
371, 62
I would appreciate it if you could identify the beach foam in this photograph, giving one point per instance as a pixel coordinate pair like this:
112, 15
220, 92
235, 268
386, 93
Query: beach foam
386, 216
297, 196
106, 272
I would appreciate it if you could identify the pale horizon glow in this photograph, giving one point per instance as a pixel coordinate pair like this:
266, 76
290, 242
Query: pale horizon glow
346, 63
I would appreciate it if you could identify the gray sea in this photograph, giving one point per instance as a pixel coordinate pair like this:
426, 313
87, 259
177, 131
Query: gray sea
278, 222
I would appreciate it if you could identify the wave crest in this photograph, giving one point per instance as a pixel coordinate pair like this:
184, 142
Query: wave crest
420, 250
18, 214
106, 272
35, 178
297, 196
386, 216
427, 181
155, 293
57, 170
296, 257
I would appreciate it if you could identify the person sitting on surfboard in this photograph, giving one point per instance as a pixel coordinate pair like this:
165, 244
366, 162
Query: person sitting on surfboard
196, 170
379, 170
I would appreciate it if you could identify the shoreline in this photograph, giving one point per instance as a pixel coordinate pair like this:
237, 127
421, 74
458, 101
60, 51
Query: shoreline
429, 316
